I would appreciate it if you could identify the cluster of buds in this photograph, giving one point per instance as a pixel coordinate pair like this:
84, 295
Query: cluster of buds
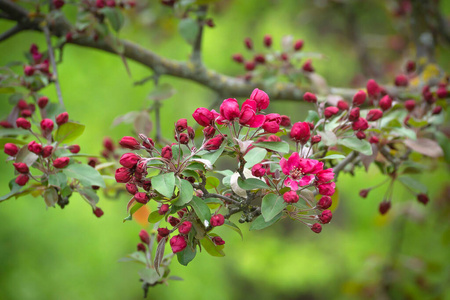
273, 61
98, 4
38, 65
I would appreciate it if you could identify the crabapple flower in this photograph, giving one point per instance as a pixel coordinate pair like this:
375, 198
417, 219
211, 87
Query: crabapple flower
297, 169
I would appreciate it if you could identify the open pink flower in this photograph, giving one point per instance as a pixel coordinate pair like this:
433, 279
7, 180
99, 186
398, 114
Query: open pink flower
298, 169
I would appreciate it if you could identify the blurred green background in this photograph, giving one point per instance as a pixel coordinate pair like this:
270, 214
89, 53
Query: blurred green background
71, 254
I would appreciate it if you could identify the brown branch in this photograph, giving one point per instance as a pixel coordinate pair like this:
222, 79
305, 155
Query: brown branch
10, 32
340, 166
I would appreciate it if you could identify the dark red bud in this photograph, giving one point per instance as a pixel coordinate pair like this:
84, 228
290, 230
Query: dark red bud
423, 198
131, 188
163, 209
62, 118
42, 102
61, 162
130, 143
310, 97
217, 220
11, 149
21, 168
23, 123
384, 207
98, 212
142, 197
317, 228
218, 241
22, 179
144, 236
326, 216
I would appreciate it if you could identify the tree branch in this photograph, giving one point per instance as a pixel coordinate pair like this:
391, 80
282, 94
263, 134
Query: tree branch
196, 57
10, 32
340, 166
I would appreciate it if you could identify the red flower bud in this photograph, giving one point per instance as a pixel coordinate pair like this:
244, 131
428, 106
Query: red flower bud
141, 247
22, 104
166, 152
261, 98
316, 139
21, 168
410, 66
11, 149
35, 147
61, 162
47, 125
6, 124
181, 212
42, 102
191, 132
437, 110
173, 221
354, 114
238, 58
229, 109
284, 57
108, 144
183, 139
401, 80
214, 143
181, 125
163, 232
359, 98
327, 189
141, 170
129, 160
259, 58
298, 45
22, 179
374, 114
58, 3
273, 138
373, 89
300, 132
142, 197
98, 212
26, 113
47, 151
374, 140
267, 41
210, 23
217, 220
185, 227
203, 116
410, 105
342, 105
74, 148
28, 70
23, 123
290, 197
131, 188
330, 111
209, 132
360, 135
218, 241
144, 236
271, 127
248, 43
422, 198
360, 124
147, 185
285, 121
307, 66
163, 209
317, 228
326, 216
100, 3
258, 170
123, 175
325, 175
92, 161
384, 207
309, 97
324, 202
442, 92
62, 118
385, 102
130, 143
363, 193
178, 243
250, 65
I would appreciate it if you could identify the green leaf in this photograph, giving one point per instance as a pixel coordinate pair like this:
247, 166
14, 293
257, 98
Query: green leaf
89, 195
25, 156
202, 210
154, 217
281, 147
7, 90
68, 132
356, 144
333, 156
161, 92
186, 256
312, 117
233, 227
328, 137
186, 193
211, 248
405, 132
189, 29
13, 132
135, 207
212, 182
58, 180
413, 184
149, 276
137, 256
254, 156
159, 254
50, 197
84, 173
251, 184
259, 223
15, 190
214, 155
114, 17
271, 206
164, 184
4, 141
417, 123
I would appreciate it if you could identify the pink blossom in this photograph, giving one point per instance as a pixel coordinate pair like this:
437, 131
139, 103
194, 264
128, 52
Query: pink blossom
297, 169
